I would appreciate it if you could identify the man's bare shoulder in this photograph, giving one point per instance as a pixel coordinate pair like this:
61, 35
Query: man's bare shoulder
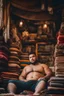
44, 65
28, 66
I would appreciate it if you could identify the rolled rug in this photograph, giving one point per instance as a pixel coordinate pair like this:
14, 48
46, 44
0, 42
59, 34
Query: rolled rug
13, 58
58, 64
60, 38
59, 46
55, 90
55, 84
14, 49
59, 59
4, 49
59, 75
56, 79
16, 62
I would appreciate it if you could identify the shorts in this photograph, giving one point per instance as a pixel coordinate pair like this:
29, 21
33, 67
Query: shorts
22, 85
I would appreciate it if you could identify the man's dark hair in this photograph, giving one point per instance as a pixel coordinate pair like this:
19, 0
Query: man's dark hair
32, 53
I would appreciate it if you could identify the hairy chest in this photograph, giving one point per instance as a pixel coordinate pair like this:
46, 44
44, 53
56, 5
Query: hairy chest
36, 68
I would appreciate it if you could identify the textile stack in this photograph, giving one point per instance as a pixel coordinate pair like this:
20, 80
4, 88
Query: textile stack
24, 63
4, 53
4, 57
13, 69
14, 63
45, 53
56, 84
59, 60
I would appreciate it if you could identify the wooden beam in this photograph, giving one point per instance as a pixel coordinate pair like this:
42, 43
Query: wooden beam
33, 15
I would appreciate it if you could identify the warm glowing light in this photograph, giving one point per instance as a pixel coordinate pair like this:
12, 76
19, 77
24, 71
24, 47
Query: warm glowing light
45, 26
21, 23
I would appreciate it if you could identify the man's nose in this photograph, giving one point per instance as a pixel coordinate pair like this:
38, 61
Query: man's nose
31, 58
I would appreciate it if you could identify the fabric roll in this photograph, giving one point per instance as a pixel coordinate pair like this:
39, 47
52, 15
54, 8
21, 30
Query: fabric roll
59, 46
14, 54
60, 42
56, 79
59, 52
59, 64
59, 59
4, 49
2, 53
59, 70
8, 75
14, 49
55, 90
14, 46
57, 85
14, 68
13, 65
4, 57
60, 38
59, 75
16, 62
59, 67
14, 58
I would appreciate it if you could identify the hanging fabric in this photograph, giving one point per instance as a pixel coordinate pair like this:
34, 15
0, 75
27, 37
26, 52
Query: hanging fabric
6, 20
1, 13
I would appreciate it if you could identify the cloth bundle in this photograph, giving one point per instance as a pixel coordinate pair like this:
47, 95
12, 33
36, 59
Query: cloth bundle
60, 39
9, 75
45, 53
59, 55
56, 85
4, 55
24, 63
59, 60
14, 63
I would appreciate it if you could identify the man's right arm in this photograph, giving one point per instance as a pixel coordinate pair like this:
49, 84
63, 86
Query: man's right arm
23, 75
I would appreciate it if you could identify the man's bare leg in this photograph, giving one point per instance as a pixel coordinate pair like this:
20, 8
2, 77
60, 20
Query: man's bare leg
41, 85
11, 88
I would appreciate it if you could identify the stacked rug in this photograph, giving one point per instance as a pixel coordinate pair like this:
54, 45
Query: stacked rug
59, 60
4, 57
24, 63
56, 84
4, 53
45, 53
14, 63
13, 68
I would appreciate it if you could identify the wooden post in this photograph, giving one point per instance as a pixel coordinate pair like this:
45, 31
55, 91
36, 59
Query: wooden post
1, 13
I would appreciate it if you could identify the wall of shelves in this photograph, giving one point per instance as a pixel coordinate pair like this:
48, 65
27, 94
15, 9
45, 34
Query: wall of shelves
45, 53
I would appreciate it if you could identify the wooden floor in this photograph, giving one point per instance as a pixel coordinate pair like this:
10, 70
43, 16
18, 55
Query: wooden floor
43, 94
7, 94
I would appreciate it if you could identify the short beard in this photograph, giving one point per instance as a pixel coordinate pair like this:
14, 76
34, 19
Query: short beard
34, 63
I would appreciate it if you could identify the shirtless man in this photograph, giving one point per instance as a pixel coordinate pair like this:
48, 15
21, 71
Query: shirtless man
33, 77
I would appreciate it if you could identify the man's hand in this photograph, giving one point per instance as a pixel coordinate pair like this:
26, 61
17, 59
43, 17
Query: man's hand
40, 78
24, 80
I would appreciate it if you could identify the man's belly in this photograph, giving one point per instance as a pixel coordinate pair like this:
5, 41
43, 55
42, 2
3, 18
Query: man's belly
34, 76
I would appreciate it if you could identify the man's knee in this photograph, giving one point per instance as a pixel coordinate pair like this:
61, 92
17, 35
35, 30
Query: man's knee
11, 83
41, 84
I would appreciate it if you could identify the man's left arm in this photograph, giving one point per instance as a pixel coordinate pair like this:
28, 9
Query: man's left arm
47, 71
